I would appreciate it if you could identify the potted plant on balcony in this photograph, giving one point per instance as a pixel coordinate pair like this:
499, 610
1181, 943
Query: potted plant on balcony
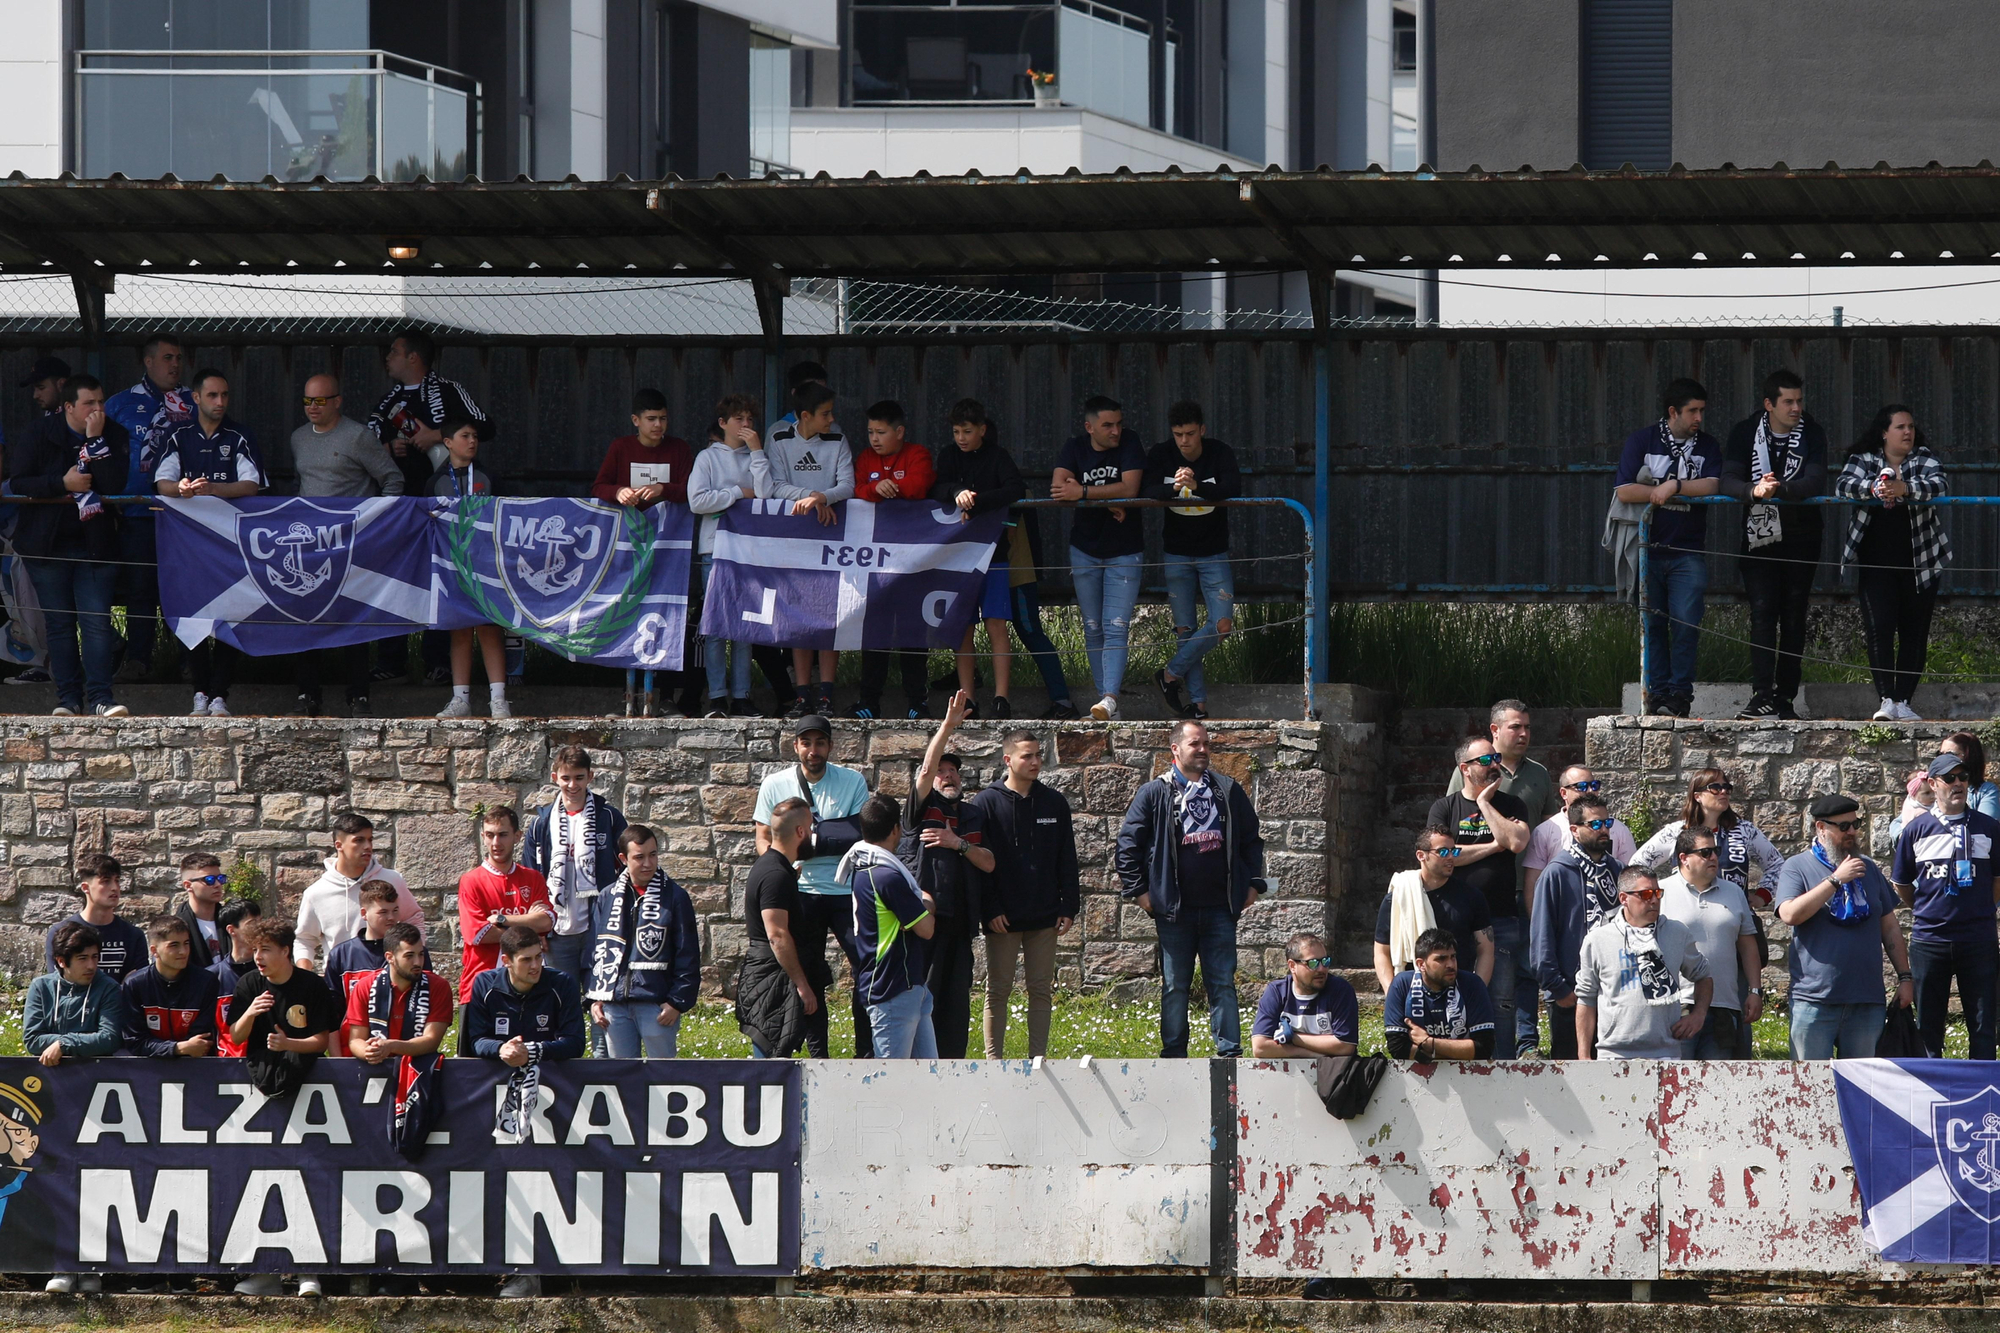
1044, 84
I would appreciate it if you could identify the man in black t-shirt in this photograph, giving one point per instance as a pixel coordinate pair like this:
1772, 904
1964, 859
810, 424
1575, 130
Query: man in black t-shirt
1454, 907
1491, 830
942, 836
1106, 546
1193, 471
281, 1015
774, 993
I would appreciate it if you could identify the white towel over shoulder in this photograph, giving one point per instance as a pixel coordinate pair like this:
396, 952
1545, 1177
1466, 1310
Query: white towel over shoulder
1410, 915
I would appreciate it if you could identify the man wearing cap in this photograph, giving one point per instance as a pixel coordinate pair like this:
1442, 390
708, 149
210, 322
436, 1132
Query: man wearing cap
1843, 915
45, 383
1943, 870
1628, 979
826, 906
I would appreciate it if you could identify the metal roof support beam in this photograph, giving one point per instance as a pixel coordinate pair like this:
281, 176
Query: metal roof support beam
771, 292
92, 286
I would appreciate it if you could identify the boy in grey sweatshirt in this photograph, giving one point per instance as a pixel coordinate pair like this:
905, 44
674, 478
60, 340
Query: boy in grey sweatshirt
808, 462
720, 477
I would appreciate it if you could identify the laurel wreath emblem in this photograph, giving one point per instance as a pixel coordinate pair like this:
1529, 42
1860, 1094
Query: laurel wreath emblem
591, 638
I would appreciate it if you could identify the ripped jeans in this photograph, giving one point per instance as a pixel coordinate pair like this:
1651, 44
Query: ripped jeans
1194, 581
1107, 592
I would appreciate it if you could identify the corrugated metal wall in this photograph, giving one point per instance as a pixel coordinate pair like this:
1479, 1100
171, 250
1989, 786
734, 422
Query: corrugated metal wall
1512, 421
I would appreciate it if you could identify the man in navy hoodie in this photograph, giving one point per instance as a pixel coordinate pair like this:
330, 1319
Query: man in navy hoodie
1191, 857
1578, 890
170, 1006
646, 971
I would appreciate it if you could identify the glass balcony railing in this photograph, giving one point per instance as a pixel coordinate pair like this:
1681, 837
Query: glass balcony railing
245, 115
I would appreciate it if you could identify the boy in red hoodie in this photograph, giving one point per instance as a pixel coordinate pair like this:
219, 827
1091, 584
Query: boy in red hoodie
892, 468
649, 465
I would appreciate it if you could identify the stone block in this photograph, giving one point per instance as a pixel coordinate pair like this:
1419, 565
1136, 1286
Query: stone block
17, 815
1108, 962
729, 805
1613, 750
24, 749
108, 767
1297, 792
1109, 788
432, 851
468, 764
293, 810
1803, 781
517, 757
1768, 742
1302, 835
1100, 917
398, 797
45, 909
53, 771
1272, 923
670, 765
690, 869
1656, 751
899, 742
1134, 924
302, 766
471, 796
1082, 747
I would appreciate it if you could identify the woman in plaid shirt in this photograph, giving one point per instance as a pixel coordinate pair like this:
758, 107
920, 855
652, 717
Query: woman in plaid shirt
1899, 547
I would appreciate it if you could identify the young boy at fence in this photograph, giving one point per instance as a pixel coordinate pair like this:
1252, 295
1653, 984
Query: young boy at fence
808, 463
75, 1011
232, 960
354, 960
460, 477
646, 972
720, 478
892, 467
282, 1016
170, 1006
99, 882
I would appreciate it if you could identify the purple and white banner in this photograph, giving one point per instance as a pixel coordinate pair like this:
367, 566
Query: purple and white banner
895, 574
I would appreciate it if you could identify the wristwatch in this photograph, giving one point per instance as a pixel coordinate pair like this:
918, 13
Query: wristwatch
1756, 990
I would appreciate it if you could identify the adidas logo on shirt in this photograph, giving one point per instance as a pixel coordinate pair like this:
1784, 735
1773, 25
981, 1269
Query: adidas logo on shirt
807, 463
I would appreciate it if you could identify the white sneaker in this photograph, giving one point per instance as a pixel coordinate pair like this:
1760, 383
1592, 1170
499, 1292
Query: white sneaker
200, 708
62, 1284
457, 708
1105, 709
520, 1286
217, 707
62, 710
309, 1286
500, 708
1887, 712
113, 710
261, 1284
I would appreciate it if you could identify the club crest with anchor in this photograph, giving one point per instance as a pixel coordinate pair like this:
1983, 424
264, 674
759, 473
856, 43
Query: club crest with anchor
551, 555
1967, 1134
298, 554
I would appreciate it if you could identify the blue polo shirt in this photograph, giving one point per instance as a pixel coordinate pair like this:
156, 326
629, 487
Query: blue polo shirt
1835, 962
1927, 855
1455, 1014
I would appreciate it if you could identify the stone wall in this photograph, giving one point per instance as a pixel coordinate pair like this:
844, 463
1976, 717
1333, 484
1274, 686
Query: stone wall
264, 790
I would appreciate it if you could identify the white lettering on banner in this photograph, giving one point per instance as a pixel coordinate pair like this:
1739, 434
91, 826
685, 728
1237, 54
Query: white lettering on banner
752, 1237
236, 1129
661, 1115
173, 1116
575, 1240
299, 1235
539, 1128
180, 1195
465, 1219
936, 605
642, 1218
332, 1127
650, 644
583, 1125
768, 612
98, 1121
770, 1115
854, 557
362, 1219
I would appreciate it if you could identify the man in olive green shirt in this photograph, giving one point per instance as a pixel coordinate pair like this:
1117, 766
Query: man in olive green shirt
1529, 783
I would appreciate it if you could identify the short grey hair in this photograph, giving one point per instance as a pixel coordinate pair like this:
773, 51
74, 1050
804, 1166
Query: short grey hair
1631, 877
1464, 750
1506, 706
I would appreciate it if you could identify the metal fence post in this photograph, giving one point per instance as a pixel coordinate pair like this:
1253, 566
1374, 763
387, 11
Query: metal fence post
1645, 540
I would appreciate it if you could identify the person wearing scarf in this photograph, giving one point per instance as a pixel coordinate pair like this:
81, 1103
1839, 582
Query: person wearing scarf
1577, 892
402, 1015
1661, 465
573, 842
1628, 994
1843, 916
1774, 459
1427, 898
1943, 871
646, 970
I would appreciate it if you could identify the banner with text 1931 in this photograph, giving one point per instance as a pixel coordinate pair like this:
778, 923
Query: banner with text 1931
630, 1167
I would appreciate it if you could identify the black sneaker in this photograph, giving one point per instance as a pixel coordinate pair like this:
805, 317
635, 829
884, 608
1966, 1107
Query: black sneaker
717, 709
305, 706
1002, 710
921, 713
798, 707
360, 707
1678, 707
1170, 690
1787, 713
862, 713
972, 710
383, 673
742, 708
1761, 708
1656, 706
1060, 712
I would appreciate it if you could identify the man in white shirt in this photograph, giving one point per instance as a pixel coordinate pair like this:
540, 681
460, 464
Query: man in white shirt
330, 909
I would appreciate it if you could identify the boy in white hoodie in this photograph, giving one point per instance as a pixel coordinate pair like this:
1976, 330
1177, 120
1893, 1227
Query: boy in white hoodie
330, 910
720, 477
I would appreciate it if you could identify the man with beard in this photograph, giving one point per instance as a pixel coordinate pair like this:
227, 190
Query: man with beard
1843, 915
1577, 891
942, 834
775, 991
1434, 1012
1628, 1004
1309, 1011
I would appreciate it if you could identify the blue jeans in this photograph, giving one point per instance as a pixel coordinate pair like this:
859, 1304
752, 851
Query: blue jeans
1676, 585
1107, 592
571, 954
1820, 1029
73, 597
1719, 1038
1028, 624
1934, 964
1210, 934
726, 678
901, 1026
637, 1022
1191, 579
1512, 979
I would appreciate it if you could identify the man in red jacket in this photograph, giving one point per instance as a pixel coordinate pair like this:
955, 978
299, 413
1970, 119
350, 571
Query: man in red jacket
649, 465
892, 468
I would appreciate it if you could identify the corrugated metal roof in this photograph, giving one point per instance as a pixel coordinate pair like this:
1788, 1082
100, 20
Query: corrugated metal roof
933, 226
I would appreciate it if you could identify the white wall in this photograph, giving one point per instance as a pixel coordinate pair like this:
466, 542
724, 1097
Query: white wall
847, 142
1643, 298
31, 88
801, 22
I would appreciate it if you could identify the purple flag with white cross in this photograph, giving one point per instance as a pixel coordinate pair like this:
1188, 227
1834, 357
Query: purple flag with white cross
893, 574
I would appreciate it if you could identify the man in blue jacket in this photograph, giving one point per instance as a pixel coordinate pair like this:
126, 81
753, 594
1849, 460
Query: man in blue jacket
646, 971
521, 1012
1577, 890
1191, 857
148, 412
574, 844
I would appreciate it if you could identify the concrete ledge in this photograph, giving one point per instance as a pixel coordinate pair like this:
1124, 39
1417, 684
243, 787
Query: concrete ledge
1830, 702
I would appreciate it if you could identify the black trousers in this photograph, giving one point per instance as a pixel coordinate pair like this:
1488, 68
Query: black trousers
1779, 591
820, 915
1896, 623
213, 666
950, 983
1562, 1032
351, 662
912, 666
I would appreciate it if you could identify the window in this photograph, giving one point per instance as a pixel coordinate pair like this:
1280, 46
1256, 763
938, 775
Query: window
1626, 77
770, 107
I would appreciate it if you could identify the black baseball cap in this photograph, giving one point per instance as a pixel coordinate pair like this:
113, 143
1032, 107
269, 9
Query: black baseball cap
812, 722
46, 368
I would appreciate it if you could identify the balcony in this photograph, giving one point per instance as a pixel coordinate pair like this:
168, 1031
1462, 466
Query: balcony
295, 115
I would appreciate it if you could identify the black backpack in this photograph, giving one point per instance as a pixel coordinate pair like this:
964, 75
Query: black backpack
830, 837
1347, 1082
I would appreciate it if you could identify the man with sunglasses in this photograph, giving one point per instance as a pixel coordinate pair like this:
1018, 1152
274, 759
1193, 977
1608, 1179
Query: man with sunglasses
1492, 829
1943, 871
1628, 1003
1451, 905
204, 883
1576, 894
1843, 915
1309, 1011
1552, 834
1717, 913
337, 457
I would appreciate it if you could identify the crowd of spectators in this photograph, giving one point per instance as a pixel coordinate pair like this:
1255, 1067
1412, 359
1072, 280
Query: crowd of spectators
171, 434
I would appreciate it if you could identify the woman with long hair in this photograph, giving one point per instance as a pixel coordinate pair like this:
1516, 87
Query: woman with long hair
1739, 844
1898, 547
1984, 796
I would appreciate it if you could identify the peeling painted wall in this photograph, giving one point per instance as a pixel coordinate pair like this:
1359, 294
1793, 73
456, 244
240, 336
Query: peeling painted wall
1000, 1164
